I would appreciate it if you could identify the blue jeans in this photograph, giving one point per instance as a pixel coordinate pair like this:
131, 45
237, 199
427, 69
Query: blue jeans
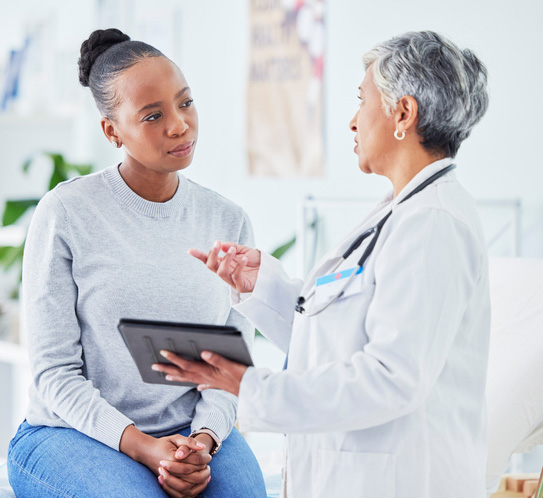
49, 462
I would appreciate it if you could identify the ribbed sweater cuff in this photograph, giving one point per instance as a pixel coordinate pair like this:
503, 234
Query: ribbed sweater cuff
110, 427
215, 421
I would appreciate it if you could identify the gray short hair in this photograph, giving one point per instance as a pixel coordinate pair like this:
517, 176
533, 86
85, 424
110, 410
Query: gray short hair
448, 84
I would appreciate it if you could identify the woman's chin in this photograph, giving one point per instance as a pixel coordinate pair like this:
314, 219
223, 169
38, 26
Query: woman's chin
364, 167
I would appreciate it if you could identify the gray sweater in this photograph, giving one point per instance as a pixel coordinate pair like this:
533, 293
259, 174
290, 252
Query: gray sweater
97, 252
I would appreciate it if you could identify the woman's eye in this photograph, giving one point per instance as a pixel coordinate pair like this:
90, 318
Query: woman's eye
153, 117
361, 100
188, 103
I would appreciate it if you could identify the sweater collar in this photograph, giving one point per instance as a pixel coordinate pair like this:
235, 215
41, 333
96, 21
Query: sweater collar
141, 205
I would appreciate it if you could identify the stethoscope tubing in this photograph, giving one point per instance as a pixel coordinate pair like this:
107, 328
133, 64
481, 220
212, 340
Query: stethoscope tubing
375, 231
337, 296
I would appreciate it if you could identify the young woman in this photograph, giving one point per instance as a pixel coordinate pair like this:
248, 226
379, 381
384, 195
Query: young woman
114, 245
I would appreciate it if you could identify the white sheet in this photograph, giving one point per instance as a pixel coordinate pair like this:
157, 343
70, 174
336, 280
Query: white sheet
515, 403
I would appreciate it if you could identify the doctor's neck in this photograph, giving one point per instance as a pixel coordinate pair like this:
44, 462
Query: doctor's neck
407, 164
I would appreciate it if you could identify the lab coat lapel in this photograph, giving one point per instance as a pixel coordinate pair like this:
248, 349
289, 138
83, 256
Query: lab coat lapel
332, 257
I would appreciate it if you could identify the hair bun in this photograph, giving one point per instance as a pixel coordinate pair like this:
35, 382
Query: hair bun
99, 41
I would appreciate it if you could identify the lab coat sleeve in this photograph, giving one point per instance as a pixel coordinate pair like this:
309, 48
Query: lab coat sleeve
270, 307
217, 410
425, 273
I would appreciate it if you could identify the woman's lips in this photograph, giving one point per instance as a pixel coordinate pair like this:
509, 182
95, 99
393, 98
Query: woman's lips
182, 150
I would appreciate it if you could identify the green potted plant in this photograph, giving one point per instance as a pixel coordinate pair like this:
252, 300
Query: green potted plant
62, 170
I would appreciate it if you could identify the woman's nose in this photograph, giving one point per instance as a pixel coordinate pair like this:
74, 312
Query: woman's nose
352, 124
177, 127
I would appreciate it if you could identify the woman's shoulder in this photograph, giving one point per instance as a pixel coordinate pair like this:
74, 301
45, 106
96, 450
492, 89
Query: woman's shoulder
78, 188
206, 198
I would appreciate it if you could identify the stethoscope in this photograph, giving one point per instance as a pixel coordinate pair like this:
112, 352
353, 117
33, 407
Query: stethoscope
375, 231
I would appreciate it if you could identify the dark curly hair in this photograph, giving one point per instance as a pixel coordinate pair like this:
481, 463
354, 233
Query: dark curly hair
105, 55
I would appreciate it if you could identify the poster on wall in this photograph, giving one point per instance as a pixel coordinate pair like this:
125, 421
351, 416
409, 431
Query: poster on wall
285, 88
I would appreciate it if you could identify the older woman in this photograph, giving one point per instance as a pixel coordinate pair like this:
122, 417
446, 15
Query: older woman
387, 338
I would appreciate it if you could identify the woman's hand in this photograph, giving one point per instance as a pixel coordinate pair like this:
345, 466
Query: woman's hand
238, 267
181, 462
190, 467
216, 373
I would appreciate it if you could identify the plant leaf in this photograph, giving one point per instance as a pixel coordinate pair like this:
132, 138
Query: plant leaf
15, 209
60, 173
82, 169
27, 163
281, 250
56, 178
10, 255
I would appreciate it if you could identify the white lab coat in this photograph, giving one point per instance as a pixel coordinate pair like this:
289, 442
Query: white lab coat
384, 395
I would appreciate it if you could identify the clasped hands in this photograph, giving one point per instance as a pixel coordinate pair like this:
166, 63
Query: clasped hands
180, 462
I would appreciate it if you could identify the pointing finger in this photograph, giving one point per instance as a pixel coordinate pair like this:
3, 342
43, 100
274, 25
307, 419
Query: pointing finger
202, 256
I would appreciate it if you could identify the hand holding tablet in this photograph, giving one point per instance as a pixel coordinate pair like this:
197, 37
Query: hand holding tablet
146, 339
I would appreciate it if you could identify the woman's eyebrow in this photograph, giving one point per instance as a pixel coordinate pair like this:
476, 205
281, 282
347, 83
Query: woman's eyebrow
159, 103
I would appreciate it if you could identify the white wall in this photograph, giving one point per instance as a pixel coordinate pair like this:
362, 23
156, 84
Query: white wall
500, 159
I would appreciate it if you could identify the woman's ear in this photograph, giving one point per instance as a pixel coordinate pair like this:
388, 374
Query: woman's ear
406, 114
109, 131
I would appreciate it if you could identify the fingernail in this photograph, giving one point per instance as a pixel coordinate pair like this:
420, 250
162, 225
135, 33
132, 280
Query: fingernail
209, 479
200, 445
202, 387
216, 244
206, 355
169, 377
160, 480
180, 455
162, 463
164, 353
244, 259
154, 367
232, 250
161, 471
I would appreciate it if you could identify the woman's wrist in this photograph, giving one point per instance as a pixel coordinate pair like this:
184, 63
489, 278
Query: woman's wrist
132, 441
207, 440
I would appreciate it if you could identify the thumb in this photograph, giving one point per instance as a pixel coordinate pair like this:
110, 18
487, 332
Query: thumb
227, 245
186, 445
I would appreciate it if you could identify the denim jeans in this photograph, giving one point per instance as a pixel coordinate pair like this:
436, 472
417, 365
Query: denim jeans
48, 462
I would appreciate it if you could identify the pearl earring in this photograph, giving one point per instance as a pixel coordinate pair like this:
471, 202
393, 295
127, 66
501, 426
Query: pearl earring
115, 144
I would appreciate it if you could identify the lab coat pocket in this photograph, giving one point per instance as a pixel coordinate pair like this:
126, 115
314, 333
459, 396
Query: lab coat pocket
350, 473
340, 330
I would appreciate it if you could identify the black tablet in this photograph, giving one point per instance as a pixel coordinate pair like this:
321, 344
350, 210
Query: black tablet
145, 339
